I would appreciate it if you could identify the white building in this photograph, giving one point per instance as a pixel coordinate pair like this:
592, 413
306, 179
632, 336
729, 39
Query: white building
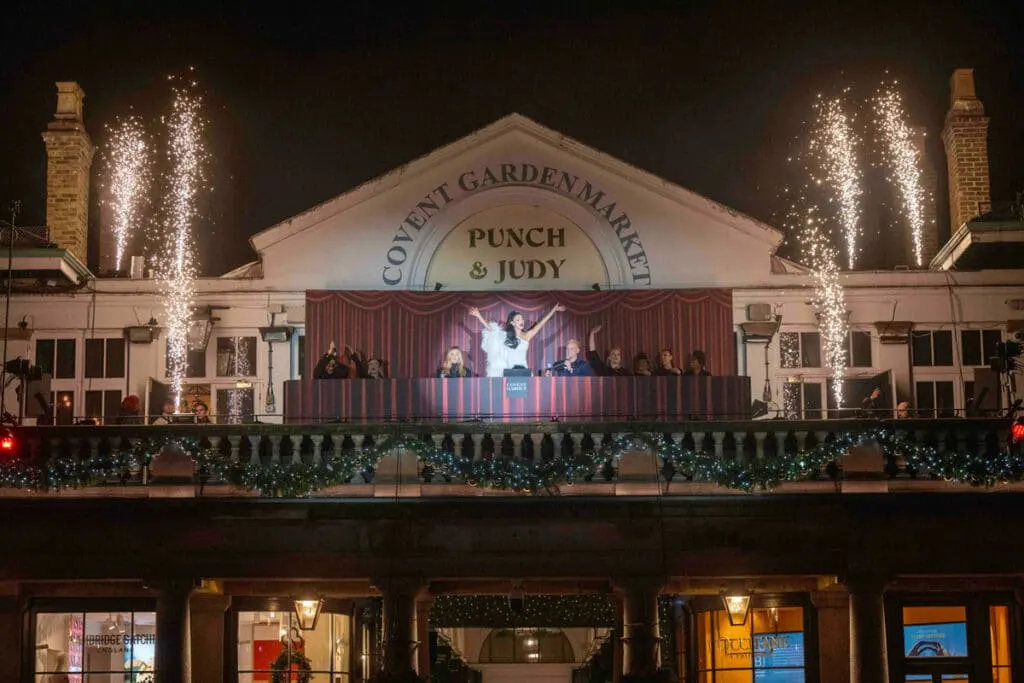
426, 224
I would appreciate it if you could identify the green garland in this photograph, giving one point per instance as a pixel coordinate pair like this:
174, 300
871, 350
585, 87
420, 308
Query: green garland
299, 480
291, 666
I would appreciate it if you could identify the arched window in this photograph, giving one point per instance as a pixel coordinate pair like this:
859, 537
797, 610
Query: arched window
526, 646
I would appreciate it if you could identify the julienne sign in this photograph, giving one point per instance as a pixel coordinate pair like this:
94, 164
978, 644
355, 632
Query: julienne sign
502, 175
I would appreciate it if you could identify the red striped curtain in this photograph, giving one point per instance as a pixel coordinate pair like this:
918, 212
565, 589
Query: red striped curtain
413, 330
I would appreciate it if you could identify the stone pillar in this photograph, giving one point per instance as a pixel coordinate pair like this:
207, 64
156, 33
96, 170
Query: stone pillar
965, 137
69, 157
833, 610
640, 640
172, 630
11, 650
399, 598
617, 644
868, 655
206, 616
423, 636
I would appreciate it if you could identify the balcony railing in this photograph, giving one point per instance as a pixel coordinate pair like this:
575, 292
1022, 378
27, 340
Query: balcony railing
615, 458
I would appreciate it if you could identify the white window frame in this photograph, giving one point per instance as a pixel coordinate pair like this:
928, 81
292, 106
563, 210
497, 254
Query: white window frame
66, 384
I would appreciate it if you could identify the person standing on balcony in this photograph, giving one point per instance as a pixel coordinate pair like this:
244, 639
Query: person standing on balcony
572, 365
506, 346
453, 365
612, 365
665, 365
642, 365
330, 365
372, 368
698, 365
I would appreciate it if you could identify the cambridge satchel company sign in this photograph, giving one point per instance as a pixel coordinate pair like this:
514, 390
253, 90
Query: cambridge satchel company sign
393, 274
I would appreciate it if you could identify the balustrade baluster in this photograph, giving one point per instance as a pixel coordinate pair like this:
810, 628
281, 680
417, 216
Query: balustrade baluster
275, 448
537, 441
254, 449
236, 442
214, 443
318, 444
296, 441
478, 446
759, 438
698, 441
517, 444
719, 438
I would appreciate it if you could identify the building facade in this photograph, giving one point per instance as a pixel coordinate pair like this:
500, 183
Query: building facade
152, 552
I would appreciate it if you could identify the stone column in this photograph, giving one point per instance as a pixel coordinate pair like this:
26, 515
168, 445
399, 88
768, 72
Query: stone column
423, 636
172, 630
617, 644
868, 656
398, 622
11, 620
833, 609
206, 616
640, 640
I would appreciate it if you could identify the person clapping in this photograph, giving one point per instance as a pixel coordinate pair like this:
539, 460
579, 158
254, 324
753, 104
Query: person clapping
330, 365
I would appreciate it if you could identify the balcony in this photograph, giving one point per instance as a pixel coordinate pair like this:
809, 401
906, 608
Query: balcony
478, 458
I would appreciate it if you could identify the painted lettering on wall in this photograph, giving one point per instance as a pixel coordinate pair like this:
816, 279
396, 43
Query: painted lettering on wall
478, 180
512, 238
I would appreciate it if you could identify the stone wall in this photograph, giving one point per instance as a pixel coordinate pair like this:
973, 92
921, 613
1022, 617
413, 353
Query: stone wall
69, 154
965, 137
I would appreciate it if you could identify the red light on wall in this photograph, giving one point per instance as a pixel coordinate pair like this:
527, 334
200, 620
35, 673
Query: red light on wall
7, 443
1017, 431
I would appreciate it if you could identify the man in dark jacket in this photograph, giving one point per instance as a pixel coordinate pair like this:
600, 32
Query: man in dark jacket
698, 365
573, 365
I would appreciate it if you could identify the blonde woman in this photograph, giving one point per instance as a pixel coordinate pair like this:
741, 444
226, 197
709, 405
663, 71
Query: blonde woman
453, 365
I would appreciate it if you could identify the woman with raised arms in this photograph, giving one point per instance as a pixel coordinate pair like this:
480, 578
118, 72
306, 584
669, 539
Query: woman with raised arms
506, 345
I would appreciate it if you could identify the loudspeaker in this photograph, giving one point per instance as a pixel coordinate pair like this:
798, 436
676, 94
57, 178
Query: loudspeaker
986, 391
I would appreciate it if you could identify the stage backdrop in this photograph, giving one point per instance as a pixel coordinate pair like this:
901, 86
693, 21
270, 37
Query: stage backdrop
412, 330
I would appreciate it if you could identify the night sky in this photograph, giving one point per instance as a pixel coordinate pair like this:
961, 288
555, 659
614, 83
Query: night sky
306, 105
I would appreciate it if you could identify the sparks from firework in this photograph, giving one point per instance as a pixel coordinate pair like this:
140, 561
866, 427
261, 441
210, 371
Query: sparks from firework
903, 158
237, 396
811, 227
834, 145
129, 162
187, 157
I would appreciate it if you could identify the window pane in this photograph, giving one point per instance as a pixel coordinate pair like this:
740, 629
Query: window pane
236, 356
860, 343
59, 642
970, 347
812, 401
94, 404
989, 340
234, 406
94, 357
44, 355
789, 349
115, 357
143, 645
999, 634
944, 399
942, 342
259, 640
792, 406
921, 347
925, 392
108, 640
939, 631
342, 636
810, 349
65, 359
64, 408
111, 405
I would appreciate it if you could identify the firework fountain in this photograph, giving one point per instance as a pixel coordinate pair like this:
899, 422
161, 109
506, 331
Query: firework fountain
128, 159
176, 265
835, 145
903, 159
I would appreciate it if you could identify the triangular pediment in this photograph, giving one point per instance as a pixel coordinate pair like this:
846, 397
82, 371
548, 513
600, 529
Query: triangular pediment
646, 230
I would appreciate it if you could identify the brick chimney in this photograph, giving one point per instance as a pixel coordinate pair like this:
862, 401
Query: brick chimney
965, 137
929, 181
69, 158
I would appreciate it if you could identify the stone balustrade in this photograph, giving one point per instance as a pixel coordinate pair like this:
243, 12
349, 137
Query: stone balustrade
752, 442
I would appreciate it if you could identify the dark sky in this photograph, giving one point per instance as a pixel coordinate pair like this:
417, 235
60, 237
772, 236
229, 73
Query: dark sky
308, 103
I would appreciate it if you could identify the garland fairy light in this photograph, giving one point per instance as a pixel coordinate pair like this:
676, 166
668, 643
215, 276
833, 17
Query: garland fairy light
299, 480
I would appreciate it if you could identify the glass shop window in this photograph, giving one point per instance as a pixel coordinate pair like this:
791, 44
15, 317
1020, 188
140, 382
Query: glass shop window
266, 639
768, 648
95, 646
948, 643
